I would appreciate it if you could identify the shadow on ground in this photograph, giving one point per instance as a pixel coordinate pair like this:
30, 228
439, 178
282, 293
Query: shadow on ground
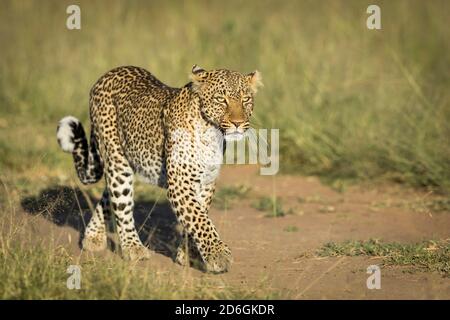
65, 206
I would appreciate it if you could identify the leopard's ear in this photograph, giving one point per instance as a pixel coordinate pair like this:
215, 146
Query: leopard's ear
198, 75
255, 80
196, 69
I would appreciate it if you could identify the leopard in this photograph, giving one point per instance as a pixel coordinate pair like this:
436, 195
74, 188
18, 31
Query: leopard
173, 138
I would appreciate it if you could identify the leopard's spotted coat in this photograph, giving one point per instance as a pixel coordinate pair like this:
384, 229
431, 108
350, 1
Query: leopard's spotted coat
169, 136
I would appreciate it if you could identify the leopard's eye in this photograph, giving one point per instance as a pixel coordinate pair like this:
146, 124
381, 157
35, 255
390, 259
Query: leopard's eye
246, 99
220, 99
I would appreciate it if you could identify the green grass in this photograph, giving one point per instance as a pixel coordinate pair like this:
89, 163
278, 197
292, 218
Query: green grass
426, 255
38, 273
421, 205
271, 205
434, 205
146, 192
350, 103
225, 197
291, 229
35, 267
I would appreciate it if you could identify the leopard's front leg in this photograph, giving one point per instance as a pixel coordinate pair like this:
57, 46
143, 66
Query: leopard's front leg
190, 200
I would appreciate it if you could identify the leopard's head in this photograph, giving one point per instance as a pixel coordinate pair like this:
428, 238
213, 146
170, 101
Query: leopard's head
226, 98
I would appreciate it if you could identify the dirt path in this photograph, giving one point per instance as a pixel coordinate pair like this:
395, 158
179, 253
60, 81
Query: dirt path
266, 253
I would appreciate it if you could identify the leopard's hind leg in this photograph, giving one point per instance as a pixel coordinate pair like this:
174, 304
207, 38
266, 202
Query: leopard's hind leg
119, 183
95, 235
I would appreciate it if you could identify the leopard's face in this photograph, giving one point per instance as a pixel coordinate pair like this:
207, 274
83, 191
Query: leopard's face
226, 98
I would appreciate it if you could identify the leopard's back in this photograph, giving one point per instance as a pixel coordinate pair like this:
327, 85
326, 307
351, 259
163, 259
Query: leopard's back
130, 101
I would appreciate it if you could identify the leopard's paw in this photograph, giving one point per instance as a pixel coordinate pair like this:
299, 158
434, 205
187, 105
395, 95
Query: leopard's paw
135, 252
219, 259
181, 256
94, 241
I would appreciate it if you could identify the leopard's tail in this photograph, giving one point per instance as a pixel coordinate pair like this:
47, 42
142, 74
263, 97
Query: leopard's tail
72, 138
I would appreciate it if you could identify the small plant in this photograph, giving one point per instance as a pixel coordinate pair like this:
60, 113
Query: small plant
291, 229
327, 209
435, 205
311, 199
271, 205
226, 196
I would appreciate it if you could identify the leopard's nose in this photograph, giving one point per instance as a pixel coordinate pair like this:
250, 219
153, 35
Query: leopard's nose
237, 123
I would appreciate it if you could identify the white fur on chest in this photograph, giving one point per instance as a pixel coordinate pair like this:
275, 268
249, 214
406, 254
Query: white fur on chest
209, 143
201, 148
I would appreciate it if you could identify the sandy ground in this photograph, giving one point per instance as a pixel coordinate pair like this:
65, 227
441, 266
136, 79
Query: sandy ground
267, 255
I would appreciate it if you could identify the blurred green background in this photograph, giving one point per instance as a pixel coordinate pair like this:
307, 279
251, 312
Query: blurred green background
350, 103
